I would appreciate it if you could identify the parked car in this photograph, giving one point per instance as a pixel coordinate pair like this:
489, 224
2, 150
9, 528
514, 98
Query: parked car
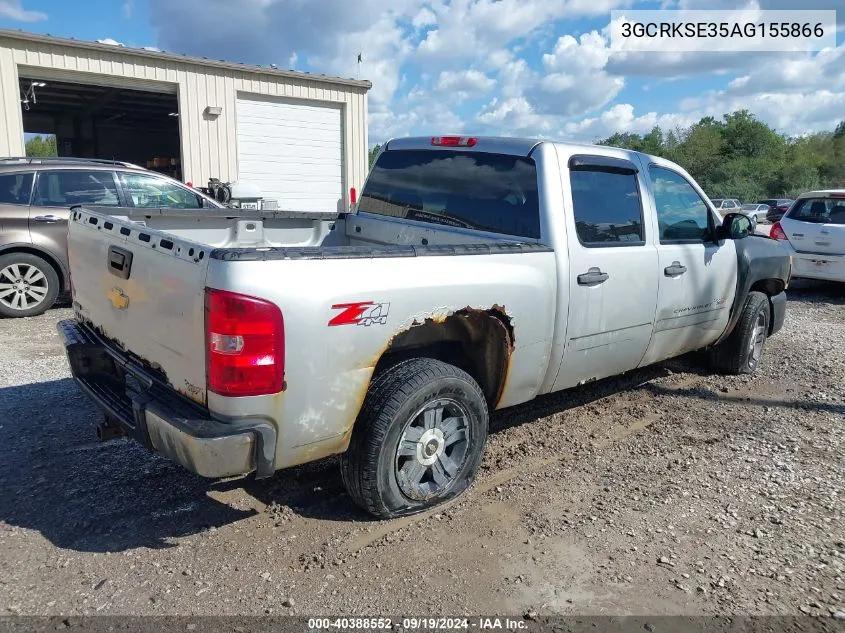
35, 199
475, 274
726, 205
756, 211
777, 207
813, 230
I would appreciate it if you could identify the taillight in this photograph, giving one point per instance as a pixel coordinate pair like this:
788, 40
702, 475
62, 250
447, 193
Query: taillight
777, 232
353, 195
454, 141
245, 344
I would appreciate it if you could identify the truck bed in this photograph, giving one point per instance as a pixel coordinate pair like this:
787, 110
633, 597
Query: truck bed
264, 234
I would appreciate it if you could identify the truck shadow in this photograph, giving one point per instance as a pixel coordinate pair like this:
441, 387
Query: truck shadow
87, 496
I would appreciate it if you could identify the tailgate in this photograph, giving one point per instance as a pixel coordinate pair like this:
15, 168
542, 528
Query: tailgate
143, 290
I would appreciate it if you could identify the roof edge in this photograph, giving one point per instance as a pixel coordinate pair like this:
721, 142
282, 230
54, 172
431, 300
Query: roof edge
175, 57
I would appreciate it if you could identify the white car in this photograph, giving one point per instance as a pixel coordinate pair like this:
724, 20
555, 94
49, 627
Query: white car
814, 231
726, 205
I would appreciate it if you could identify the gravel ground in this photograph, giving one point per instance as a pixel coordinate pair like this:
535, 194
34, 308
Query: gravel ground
666, 491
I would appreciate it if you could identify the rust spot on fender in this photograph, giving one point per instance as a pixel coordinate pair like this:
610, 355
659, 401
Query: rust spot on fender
473, 328
473, 324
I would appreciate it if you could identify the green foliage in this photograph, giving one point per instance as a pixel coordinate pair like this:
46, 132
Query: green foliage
41, 146
742, 157
374, 154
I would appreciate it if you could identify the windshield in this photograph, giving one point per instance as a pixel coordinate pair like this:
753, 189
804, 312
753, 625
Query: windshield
819, 210
477, 190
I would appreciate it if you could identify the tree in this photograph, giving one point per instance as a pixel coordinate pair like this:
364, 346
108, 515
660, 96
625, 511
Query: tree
39, 146
741, 157
653, 141
374, 154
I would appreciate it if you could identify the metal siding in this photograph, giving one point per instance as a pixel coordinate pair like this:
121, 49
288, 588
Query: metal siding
11, 135
209, 147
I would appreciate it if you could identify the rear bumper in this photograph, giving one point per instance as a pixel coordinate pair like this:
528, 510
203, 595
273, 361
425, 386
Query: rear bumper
818, 266
160, 418
778, 312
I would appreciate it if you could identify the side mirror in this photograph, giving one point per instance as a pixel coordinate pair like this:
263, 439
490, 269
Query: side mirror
735, 226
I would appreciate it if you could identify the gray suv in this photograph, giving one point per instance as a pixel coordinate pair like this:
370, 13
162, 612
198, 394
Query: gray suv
36, 195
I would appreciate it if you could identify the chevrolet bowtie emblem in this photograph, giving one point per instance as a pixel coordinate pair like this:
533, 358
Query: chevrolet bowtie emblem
118, 298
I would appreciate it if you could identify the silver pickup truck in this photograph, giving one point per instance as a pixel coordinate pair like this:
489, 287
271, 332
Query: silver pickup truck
474, 274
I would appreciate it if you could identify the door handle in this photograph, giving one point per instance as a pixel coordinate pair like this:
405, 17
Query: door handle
593, 277
46, 218
675, 270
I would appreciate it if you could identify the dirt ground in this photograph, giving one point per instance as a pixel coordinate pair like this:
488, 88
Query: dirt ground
666, 491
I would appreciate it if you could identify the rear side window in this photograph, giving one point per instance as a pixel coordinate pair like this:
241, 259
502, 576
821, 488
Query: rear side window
607, 207
76, 186
819, 211
15, 188
152, 192
682, 216
476, 190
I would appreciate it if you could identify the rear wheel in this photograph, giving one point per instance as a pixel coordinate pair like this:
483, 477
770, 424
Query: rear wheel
418, 441
742, 351
28, 285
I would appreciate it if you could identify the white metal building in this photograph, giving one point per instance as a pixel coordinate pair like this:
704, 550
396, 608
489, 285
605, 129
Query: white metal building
302, 138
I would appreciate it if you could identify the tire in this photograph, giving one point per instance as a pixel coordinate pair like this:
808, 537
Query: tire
742, 351
28, 285
401, 408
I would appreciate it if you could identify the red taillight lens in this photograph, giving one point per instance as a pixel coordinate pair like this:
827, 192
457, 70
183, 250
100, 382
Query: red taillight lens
454, 141
777, 232
353, 195
245, 344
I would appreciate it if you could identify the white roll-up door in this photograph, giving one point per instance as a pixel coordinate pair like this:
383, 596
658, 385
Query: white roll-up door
292, 151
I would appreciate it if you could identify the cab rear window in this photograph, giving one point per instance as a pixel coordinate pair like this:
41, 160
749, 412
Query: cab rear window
476, 190
819, 210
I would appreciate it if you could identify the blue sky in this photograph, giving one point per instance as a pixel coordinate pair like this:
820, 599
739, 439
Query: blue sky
529, 67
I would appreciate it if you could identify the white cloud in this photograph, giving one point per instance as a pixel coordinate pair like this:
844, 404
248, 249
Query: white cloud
576, 80
515, 116
622, 118
13, 9
425, 17
292, 60
823, 70
473, 28
128, 6
110, 42
464, 84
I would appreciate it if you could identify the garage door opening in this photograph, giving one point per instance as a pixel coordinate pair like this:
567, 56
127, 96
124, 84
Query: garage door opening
93, 121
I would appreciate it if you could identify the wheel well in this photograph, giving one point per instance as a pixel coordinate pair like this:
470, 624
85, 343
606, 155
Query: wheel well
47, 257
478, 341
769, 287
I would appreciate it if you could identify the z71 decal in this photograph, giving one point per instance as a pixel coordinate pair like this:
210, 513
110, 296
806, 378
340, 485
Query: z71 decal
360, 313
